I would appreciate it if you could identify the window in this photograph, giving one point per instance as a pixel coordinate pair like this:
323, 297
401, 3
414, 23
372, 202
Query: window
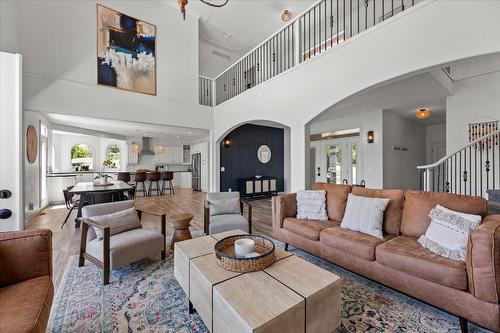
112, 157
82, 157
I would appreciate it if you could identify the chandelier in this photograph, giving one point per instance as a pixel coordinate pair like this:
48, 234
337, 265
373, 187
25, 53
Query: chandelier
183, 3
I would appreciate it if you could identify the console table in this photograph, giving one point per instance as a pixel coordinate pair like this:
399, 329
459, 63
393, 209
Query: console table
254, 187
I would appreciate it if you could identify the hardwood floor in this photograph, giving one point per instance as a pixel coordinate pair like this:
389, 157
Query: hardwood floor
66, 241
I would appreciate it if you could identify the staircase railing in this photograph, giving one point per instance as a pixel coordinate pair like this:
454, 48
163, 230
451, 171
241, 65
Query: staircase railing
321, 27
205, 90
471, 170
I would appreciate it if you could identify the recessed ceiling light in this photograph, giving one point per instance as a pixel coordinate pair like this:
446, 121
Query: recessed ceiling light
227, 35
189, 133
178, 137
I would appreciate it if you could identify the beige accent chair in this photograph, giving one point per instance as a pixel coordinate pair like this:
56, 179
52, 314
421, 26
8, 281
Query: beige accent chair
224, 222
124, 248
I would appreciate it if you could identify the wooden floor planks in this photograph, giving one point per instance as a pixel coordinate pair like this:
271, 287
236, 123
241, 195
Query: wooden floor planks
66, 241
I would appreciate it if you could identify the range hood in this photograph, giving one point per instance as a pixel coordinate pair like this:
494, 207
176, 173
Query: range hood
146, 147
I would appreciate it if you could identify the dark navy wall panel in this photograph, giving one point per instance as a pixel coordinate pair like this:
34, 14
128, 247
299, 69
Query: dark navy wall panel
240, 159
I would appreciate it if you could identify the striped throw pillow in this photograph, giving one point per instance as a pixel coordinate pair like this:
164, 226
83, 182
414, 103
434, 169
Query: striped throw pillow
448, 232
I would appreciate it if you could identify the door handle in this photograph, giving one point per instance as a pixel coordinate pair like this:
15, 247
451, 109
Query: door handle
5, 214
5, 194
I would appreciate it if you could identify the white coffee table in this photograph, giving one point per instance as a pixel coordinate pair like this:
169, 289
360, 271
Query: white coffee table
292, 295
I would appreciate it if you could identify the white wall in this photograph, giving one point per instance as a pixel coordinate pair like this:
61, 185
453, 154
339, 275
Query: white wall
212, 65
374, 57
400, 166
474, 99
434, 134
372, 166
8, 26
58, 42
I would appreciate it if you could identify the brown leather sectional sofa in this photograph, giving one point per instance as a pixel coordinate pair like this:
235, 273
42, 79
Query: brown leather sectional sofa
26, 288
470, 290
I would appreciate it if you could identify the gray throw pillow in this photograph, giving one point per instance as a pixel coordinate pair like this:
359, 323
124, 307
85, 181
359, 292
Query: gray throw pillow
118, 222
224, 206
311, 205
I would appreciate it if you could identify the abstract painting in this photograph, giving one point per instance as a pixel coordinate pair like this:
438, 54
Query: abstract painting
126, 52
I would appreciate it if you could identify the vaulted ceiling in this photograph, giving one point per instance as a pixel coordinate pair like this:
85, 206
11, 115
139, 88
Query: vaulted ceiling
228, 33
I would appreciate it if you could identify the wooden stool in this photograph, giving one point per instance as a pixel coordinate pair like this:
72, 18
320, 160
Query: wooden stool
181, 223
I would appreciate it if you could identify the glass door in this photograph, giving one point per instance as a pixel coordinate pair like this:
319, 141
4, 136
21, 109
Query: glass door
43, 165
334, 163
343, 161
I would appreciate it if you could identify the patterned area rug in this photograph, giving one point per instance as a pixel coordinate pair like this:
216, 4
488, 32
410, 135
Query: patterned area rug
145, 297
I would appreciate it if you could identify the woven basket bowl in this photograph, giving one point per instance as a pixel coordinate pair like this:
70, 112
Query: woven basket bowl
227, 259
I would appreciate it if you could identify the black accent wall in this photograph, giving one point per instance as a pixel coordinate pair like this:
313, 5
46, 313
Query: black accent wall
240, 159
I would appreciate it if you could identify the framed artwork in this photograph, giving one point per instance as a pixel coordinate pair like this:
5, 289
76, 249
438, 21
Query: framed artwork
126, 52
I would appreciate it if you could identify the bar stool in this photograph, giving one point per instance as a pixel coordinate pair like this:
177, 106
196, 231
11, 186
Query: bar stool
167, 177
154, 177
140, 178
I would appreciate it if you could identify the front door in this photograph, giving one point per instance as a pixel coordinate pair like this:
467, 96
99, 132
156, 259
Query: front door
343, 161
11, 143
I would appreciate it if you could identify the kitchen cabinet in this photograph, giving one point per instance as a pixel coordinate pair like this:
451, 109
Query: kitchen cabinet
173, 154
185, 179
178, 154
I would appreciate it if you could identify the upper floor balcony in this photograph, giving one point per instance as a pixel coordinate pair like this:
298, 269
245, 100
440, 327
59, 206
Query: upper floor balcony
320, 28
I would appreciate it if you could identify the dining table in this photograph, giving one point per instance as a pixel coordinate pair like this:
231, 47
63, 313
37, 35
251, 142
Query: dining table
87, 189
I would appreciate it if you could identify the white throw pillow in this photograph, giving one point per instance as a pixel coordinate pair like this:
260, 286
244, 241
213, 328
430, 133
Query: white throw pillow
118, 222
311, 205
448, 233
224, 206
365, 214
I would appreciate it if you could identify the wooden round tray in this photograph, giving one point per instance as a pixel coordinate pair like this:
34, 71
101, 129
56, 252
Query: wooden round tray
226, 258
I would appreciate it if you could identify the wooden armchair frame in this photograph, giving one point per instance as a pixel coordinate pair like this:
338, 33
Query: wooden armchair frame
206, 215
105, 264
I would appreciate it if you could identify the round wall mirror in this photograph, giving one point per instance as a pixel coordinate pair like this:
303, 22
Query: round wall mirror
264, 154
31, 144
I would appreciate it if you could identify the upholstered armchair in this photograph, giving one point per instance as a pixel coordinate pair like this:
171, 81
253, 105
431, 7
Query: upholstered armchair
223, 211
111, 240
26, 288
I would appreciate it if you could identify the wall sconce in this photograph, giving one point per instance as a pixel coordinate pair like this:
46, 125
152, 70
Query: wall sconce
135, 148
159, 149
227, 142
371, 137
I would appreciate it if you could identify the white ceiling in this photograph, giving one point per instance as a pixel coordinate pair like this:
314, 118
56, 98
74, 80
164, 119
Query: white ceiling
238, 27
130, 129
403, 97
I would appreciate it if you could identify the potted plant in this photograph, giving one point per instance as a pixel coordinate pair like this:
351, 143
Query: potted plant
102, 178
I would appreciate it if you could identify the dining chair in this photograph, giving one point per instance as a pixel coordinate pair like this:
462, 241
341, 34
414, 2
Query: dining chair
70, 203
125, 177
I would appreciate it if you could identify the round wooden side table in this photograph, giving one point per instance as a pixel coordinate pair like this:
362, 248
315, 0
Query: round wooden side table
181, 222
